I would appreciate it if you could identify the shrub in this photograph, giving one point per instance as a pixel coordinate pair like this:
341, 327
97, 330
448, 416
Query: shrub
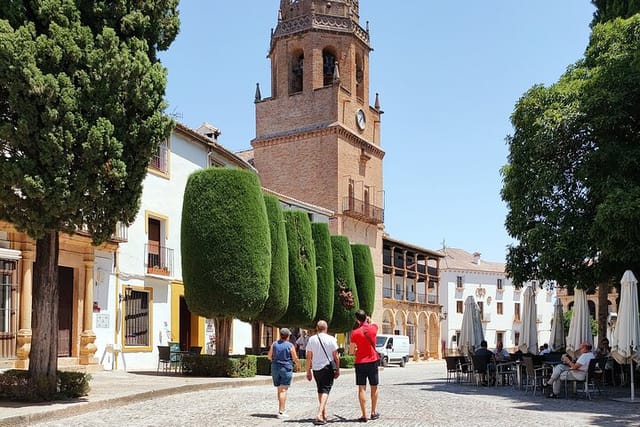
207, 365
14, 385
365, 277
324, 271
347, 361
346, 295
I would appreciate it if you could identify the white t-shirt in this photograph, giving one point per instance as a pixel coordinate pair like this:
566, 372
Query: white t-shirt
319, 360
584, 359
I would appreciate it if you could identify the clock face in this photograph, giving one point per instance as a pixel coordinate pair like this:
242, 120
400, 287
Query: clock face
361, 119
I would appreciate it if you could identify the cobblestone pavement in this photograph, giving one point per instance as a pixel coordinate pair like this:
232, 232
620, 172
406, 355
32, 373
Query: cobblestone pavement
416, 395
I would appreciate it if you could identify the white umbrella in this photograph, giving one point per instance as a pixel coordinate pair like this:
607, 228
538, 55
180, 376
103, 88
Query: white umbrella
471, 332
529, 321
558, 340
580, 326
625, 342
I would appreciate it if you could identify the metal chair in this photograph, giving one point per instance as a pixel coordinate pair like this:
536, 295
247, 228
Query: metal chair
452, 368
588, 382
164, 359
480, 366
195, 350
534, 377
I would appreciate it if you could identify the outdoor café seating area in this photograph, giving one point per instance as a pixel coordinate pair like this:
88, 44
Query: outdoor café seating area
170, 357
529, 374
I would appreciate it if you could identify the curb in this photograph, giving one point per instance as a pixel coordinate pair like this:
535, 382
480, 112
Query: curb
80, 407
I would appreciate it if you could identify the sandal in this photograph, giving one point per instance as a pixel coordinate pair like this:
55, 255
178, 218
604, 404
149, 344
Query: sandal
362, 419
375, 416
319, 422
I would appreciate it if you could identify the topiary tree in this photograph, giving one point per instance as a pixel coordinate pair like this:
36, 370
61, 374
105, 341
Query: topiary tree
278, 299
81, 113
365, 277
226, 248
303, 284
345, 293
324, 271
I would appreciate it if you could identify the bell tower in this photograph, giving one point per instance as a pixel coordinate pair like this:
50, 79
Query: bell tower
317, 136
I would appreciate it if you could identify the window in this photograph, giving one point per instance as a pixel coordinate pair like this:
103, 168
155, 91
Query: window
516, 338
499, 284
159, 159
328, 67
137, 322
499, 308
516, 311
499, 337
459, 306
481, 308
7, 269
386, 286
399, 288
158, 257
459, 281
297, 74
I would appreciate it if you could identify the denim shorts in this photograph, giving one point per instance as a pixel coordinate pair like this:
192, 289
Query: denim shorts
281, 376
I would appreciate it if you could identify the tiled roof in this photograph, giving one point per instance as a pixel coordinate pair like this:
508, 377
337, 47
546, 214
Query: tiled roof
459, 259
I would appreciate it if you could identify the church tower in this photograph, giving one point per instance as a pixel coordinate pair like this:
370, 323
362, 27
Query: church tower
317, 136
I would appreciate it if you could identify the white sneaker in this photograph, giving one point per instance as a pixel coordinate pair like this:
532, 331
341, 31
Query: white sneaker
282, 415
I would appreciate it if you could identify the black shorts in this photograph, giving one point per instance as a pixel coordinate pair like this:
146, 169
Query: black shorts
367, 371
324, 379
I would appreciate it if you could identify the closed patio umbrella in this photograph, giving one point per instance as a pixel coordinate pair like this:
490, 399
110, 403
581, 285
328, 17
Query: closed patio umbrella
558, 340
625, 342
471, 332
529, 321
580, 326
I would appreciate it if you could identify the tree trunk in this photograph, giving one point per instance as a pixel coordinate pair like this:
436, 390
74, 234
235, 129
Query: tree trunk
603, 311
223, 335
255, 337
43, 358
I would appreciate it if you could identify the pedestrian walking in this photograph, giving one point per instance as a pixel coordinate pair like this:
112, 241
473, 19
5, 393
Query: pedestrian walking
282, 354
301, 344
363, 344
322, 349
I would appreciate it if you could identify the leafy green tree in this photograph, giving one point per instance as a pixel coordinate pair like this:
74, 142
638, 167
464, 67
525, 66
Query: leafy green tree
572, 182
303, 283
226, 248
345, 292
278, 299
607, 10
365, 277
81, 112
324, 271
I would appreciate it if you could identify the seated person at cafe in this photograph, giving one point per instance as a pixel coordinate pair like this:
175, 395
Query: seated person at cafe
500, 354
544, 349
491, 366
570, 370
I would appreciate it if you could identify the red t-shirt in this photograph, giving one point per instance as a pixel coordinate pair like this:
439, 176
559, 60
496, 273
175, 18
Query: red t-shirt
365, 344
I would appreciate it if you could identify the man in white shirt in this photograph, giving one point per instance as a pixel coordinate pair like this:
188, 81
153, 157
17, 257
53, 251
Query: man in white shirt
301, 344
568, 370
321, 349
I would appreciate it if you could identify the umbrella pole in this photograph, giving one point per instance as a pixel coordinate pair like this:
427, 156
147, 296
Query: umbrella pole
632, 382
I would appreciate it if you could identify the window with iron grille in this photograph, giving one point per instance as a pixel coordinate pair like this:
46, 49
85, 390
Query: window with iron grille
7, 270
459, 281
499, 284
137, 322
499, 308
516, 311
459, 306
159, 159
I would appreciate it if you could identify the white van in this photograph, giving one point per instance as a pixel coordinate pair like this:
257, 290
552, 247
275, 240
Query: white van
393, 349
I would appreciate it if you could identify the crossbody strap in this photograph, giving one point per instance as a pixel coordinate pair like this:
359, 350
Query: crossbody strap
325, 351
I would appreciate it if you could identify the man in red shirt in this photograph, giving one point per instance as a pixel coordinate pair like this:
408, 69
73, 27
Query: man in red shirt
363, 344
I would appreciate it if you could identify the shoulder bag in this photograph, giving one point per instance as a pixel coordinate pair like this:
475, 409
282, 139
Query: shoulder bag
332, 362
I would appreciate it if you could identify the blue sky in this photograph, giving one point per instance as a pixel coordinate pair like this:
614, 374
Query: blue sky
448, 73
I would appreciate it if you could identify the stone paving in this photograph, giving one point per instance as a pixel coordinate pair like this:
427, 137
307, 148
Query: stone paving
416, 395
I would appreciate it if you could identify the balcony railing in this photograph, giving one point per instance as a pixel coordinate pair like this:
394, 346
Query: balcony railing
386, 292
362, 210
158, 259
432, 298
120, 234
486, 317
159, 159
422, 298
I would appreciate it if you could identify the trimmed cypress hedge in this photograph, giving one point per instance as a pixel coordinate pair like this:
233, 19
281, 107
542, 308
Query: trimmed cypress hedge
365, 277
303, 284
345, 293
278, 300
226, 247
324, 271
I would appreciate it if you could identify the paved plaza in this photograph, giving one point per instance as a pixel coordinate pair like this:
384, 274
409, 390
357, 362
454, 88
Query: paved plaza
417, 395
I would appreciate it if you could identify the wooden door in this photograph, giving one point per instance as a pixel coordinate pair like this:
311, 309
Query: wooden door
65, 310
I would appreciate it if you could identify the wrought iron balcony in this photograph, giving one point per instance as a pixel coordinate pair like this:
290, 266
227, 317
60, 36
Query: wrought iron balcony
158, 259
362, 210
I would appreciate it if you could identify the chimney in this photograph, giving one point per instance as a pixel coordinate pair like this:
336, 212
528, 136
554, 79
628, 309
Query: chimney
476, 258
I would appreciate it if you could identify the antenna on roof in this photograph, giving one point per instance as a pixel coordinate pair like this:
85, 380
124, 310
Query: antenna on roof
175, 114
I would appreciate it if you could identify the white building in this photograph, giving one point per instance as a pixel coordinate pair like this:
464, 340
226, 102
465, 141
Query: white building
463, 274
